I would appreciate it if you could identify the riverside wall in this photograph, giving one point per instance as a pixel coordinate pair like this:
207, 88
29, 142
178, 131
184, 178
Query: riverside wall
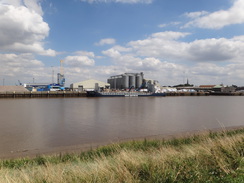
56, 94
205, 93
42, 94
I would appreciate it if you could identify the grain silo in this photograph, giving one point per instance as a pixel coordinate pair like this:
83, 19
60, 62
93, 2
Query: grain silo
126, 80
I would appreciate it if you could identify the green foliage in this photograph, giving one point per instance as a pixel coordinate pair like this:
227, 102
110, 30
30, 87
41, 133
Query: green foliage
39, 160
15, 164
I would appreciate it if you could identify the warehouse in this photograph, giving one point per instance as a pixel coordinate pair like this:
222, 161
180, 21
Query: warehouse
88, 85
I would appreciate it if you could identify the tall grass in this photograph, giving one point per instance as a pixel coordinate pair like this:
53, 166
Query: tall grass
210, 157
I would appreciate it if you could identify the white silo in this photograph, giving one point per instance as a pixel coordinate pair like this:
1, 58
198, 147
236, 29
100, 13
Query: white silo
138, 80
132, 80
125, 81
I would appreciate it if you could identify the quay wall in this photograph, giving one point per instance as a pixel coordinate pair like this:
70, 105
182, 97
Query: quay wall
63, 94
42, 94
187, 94
205, 93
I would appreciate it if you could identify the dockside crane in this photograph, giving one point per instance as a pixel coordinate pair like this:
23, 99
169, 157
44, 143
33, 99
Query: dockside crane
61, 78
20, 83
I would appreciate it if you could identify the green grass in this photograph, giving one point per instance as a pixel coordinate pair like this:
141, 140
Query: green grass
209, 157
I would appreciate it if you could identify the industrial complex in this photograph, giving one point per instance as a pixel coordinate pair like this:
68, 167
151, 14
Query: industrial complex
59, 86
122, 82
126, 80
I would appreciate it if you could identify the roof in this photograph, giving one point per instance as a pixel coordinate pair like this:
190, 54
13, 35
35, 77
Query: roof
218, 86
90, 83
207, 86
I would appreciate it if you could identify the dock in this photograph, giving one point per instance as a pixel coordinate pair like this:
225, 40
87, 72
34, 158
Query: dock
42, 94
69, 94
187, 93
205, 93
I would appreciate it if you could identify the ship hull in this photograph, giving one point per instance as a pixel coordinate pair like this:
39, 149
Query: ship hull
123, 94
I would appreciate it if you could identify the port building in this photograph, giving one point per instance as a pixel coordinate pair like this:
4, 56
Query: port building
89, 85
126, 81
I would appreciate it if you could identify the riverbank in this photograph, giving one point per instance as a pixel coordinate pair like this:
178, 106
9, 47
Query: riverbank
205, 157
65, 94
41, 94
47, 151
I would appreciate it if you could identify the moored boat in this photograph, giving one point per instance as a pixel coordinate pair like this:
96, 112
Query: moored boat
123, 94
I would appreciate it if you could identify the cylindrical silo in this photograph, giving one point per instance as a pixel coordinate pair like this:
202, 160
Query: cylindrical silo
119, 83
138, 81
110, 82
114, 82
132, 80
125, 81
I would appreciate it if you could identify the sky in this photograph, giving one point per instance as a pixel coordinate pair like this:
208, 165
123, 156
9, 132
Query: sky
168, 40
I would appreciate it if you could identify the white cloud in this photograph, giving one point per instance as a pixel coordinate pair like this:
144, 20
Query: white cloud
218, 19
168, 35
169, 24
160, 45
85, 53
11, 2
81, 58
118, 1
34, 5
107, 41
23, 67
216, 50
79, 61
22, 28
210, 73
152, 67
168, 46
195, 15
162, 25
20, 61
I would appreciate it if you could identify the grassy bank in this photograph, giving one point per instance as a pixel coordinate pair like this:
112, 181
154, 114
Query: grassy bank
209, 157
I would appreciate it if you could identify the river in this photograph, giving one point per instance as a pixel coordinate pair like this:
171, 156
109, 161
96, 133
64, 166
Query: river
32, 126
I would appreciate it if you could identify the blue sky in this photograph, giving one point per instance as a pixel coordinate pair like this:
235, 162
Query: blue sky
168, 40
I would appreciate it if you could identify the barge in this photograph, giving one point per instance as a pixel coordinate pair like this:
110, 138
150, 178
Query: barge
123, 94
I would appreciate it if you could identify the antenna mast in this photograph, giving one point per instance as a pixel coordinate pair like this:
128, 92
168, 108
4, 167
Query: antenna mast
61, 67
52, 75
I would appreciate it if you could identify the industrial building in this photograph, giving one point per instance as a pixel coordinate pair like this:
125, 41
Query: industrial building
217, 88
89, 85
126, 81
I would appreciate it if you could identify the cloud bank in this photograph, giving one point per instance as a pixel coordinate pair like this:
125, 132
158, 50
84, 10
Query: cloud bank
166, 55
106, 41
218, 19
22, 28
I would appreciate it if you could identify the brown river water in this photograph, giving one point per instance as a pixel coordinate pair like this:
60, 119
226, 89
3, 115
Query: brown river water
32, 126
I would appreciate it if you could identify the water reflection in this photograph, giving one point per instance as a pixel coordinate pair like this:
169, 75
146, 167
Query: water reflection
45, 123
